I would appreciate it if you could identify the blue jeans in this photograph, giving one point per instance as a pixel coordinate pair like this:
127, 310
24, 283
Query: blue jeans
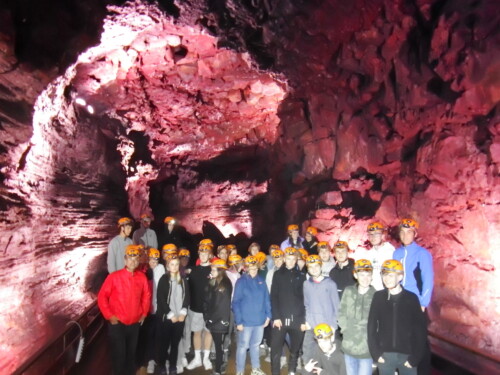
358, 366
249, 338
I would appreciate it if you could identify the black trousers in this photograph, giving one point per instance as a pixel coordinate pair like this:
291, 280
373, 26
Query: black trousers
219, 349
123, 345
277, 342
168, 336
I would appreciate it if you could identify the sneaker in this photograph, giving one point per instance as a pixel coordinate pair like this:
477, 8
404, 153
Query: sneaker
184, 362
212, 356
257, 371
172, 371
196, 362
207, 364
282, 362
151, 367
180, 369
268, 358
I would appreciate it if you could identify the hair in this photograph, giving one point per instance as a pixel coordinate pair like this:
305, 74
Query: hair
217, 282
175, 276
253, 244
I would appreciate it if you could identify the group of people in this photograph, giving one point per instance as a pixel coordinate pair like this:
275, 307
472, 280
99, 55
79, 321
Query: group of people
332, 310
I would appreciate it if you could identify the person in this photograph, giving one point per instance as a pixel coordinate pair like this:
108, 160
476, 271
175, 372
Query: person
116, 247
419, 275
170, 233
380, 251
321, 301
262, 261
327, 261
252, 312
353, 320
198, 282
287, 305
235, 263
222, 252
327, 358
124, 300
278, 259
231, 249
342, 272
184, 256
145, 235
301, 260
185, 343
217, 309
173, 301
396, 325
293, 239
168, 251
310, 243
253, 249
153, 274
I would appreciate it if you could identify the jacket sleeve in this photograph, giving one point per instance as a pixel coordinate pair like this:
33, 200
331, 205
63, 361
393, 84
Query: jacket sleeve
187, 298
342, 316
237, 301
146, 297
373, 319
268, 310
111, 258
427, 277
275, 296
306, 302
162, 296
103, 298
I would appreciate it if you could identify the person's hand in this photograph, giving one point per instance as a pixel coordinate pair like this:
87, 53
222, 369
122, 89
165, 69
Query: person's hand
311, 367
303, 327
174, 319
277, 323
423, 308
182, 318
113, 320
308, 327
266, 323
407, 364
142, 320
381, 360
239, 327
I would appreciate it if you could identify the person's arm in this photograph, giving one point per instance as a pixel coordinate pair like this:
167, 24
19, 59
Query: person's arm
111, 257
307, 305
427, 278
162, 296
275, 296
237, 300
145, 298
154, 240
103, 298
372, 330
343, 313
419, 331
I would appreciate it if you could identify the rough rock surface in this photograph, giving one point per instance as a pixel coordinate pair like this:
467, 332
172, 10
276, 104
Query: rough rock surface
250, 115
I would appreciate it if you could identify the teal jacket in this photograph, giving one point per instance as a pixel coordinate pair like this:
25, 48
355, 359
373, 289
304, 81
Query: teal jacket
353, 320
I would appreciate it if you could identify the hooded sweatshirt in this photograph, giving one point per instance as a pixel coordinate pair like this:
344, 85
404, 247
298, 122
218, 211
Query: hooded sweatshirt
321, 300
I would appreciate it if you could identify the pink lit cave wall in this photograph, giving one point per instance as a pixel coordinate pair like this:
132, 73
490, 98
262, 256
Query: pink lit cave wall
248, 115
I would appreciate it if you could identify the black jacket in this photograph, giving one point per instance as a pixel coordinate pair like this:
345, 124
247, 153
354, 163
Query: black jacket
163, 296
343, 277
311, 247
287, 297
198, 282
217, 306
396, 323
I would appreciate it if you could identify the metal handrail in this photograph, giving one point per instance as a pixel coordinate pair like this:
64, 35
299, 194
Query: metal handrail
58, 356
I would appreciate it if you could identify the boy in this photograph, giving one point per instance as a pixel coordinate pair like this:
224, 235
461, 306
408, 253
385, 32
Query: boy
327, 358
342, 272
396, 325
353, 319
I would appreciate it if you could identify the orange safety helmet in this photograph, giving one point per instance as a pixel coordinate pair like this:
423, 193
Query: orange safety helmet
341, 245
219, 263
323, 331
408, 223
206, 241
169, 219
303, 254
251, 260
392, 265
362, 265
324, 245
234, 259
184, 253
125, 221
146, 216
169, 248
292, 227
291, 251
154, 253
312, 231
274, 247
261, 257
277, 253
133, 250
230, 247
311, 259
372, 227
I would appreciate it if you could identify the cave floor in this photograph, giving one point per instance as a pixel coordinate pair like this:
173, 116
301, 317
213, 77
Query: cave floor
96, 361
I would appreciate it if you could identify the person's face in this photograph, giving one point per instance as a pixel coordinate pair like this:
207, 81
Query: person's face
324, 254
131, 262
341, 254
173, 266
204, 256
214, 272
407, 235
314, 269
391, 279
308, 237
326, 344
170, 226
375, 237
294, 233
290, 261
153, 262
252, 269
301, 263
278, 262
184, 261
364, 278
146, 223
223, 254
127, 229
233, 252
253, 250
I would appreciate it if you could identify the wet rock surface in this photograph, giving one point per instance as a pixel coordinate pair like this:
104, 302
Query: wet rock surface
250, 116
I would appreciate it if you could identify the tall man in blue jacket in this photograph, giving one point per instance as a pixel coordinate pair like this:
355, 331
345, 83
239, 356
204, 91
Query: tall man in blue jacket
418, 276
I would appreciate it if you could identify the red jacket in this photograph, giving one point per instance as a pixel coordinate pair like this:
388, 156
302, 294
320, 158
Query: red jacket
126, 295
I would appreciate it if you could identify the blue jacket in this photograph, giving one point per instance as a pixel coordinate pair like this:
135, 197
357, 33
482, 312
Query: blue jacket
322, 302
419, 272
251, 302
